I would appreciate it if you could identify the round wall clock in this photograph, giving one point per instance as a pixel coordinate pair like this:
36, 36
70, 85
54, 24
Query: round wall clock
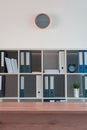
71, 68
42, 20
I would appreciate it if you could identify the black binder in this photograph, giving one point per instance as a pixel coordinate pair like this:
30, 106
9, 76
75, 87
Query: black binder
2, 86
3, 69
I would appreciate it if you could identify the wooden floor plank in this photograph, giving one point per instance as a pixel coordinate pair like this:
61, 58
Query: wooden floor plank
6, 106
43, 116
52, 121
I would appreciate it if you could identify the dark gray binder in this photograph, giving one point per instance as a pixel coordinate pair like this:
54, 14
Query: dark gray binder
36, 61
30, 86
85, 85
59, 86
2, 85
11, 86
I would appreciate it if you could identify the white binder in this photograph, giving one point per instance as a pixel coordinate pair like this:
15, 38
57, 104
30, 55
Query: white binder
52, 82
8, 65
61, 61
38, 86
27, 58
0, 83
85, 82
85, 58
2, 59
46, 82
22, 83
22, 58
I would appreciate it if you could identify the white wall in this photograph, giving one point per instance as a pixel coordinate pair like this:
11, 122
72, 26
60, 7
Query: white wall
68, 28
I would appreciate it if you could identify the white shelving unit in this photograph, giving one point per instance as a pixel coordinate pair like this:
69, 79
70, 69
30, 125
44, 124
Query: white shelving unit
38, 64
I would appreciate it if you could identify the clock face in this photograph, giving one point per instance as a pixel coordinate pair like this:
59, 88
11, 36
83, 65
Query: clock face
42, 21
72, 68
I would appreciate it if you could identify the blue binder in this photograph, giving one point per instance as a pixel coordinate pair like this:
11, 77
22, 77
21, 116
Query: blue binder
80, 62
25, 61
85, 61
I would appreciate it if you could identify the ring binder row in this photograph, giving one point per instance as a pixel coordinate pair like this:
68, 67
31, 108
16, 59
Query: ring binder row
77, 60
25, 62
53, 86
82, 61
49, 90
31, 86
30, 61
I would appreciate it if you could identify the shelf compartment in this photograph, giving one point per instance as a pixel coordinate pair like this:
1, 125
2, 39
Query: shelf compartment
30, 61
9, 61
53, 86
9, 85
31, 86
70, 80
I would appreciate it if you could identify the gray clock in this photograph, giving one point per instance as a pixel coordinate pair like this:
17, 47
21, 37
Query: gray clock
42, 20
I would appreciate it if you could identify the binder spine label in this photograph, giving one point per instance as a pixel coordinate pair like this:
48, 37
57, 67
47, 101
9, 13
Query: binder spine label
46, 87
0, 83
85, 61
86, 82
61, 61
22, 58
38, 86
80, 62
2, 59
51, 89
46, 82
22, 87
27, 58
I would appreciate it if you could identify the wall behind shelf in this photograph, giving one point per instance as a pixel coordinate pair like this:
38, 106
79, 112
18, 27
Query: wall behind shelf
68, 28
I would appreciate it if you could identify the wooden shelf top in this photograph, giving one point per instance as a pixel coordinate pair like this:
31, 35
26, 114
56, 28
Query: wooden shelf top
43, 107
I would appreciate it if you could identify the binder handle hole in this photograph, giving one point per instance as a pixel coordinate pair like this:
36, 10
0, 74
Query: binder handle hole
62, 67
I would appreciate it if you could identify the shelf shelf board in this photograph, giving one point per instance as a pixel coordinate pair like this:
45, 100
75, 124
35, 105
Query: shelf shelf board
8, 73
33, 73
